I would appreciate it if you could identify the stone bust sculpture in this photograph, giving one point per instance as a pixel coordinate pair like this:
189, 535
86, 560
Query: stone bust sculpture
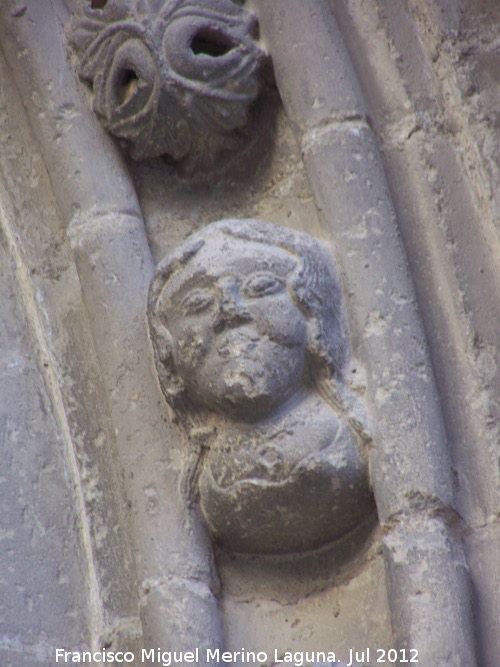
250, 344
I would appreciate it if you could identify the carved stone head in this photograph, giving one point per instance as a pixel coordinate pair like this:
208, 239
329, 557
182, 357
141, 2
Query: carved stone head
242, 314
169, 77
248, 331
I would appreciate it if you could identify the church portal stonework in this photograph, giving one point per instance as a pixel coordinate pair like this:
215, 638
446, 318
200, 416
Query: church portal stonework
249, 332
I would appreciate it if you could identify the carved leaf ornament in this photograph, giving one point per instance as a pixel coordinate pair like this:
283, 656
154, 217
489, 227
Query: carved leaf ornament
172, 77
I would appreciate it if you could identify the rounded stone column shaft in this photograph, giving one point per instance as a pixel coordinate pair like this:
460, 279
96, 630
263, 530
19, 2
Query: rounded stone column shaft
426, 571
98, 202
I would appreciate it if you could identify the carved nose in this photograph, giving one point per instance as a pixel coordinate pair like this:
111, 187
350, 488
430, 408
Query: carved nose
232, 309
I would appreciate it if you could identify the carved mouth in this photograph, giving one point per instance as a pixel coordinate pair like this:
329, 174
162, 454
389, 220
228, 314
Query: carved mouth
211, 42
237, 344
244, 389
176, 81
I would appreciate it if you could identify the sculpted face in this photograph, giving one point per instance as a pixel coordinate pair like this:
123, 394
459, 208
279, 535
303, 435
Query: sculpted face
241, 314
238, 338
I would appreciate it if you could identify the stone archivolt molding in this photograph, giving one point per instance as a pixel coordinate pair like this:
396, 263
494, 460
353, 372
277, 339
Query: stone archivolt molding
129, 59
175, 78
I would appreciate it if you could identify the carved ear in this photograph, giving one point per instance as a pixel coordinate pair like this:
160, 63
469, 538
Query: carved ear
172, 385
163, 345
327, 347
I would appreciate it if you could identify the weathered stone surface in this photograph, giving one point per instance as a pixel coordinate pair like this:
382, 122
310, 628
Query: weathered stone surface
361, 217
256, 602
176, 79
247, 323
428, 72
410, 464
425, 563
43, 587
169, 538
60, 341
320, 86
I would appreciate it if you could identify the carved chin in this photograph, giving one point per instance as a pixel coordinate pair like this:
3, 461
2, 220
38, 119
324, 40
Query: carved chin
247, 392
243, 374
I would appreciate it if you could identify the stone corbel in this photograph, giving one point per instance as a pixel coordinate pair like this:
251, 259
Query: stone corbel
177, 80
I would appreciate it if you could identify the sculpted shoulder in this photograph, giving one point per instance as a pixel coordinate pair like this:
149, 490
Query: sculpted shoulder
307, 463
246, 317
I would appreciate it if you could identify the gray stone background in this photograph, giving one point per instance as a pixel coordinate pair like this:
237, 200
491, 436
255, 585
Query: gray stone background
429, 72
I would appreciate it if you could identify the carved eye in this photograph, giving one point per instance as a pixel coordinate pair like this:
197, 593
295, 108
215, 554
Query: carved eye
262, 284
197, 301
